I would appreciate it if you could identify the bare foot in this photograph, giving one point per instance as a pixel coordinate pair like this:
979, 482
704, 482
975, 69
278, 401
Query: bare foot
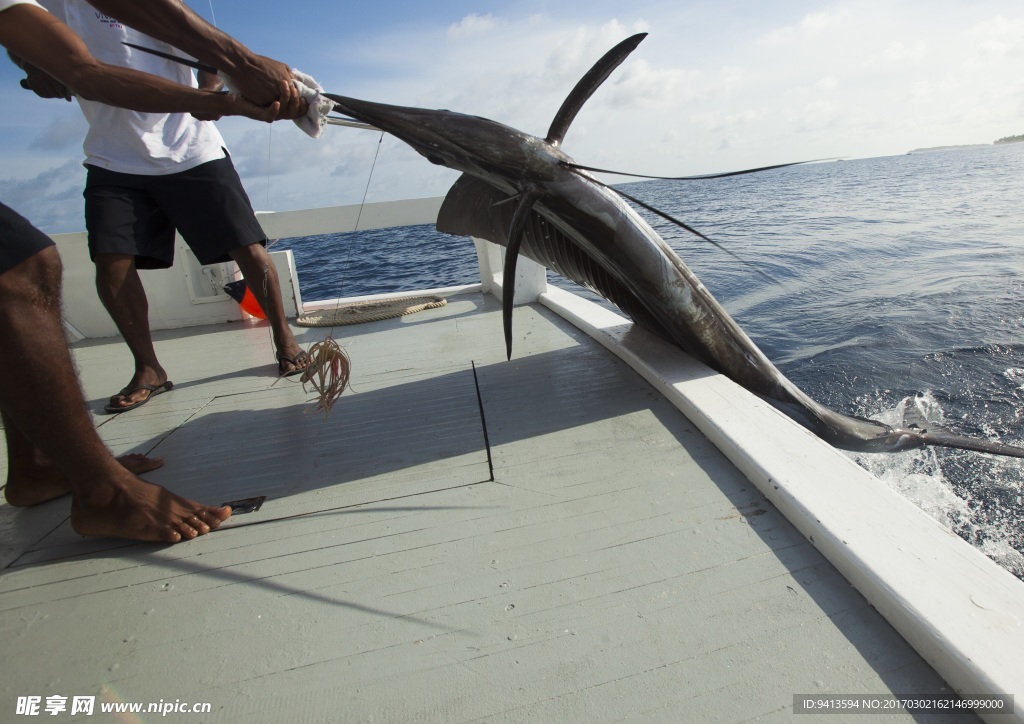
139, 510
28, 487
37, 481
138, 463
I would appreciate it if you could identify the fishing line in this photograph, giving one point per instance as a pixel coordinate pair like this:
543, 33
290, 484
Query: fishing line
359, 216
677, 222
330, 368
366, 191
727, 174
270, 147
270, 244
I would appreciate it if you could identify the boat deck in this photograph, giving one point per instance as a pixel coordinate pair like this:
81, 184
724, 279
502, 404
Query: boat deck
463, 538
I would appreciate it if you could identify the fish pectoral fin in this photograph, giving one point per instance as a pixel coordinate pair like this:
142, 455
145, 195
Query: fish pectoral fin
506, 201
516, 234
474, 208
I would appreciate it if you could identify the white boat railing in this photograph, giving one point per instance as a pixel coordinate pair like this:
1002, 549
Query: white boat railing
190, 294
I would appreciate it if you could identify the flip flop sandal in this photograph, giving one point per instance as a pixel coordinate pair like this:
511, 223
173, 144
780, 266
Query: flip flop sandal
154, 390
299, 364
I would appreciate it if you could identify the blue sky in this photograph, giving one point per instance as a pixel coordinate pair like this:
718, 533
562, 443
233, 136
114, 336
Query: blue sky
716, 86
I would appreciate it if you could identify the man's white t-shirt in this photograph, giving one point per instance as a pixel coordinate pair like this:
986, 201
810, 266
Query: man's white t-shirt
4, 4
125, 141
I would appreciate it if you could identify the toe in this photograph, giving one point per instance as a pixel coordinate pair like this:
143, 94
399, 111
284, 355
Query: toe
208, 519
198, 524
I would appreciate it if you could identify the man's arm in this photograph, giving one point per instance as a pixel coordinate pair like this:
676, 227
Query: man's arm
38, 38
43, 84
255, 76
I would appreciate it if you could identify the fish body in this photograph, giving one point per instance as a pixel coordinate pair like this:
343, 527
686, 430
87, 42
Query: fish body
525, 193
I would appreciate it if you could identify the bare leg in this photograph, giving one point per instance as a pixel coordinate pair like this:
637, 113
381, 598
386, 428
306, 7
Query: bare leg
40, 396
121, 291
32, 479
261, 277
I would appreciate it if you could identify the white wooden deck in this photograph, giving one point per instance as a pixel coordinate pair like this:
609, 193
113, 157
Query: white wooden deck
463, 539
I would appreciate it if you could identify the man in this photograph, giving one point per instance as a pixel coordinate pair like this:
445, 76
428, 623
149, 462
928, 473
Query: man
149, 174
53, 447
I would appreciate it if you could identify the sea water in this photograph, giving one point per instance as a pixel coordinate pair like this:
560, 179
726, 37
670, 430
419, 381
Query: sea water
873, 284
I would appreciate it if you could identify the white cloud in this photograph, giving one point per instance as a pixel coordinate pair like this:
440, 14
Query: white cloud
924, 90
715, 86
816, 22
472, 25
641, 84
816, 116
808, 27
997, 41
62, 132
731, 79
52, 200
717, 122
574, 54
1000, 27
898, 52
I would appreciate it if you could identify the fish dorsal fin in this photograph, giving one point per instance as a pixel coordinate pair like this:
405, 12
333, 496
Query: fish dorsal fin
588, 84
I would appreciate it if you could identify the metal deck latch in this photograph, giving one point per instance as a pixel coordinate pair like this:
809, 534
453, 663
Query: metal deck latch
246, 505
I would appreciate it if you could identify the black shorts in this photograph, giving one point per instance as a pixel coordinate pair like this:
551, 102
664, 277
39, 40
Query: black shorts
135, 214
19, 240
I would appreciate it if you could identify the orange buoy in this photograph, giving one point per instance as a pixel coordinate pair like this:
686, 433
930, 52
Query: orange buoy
241, 293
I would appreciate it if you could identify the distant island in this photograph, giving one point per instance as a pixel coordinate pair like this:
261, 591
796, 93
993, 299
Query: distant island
949, 148
1007, 139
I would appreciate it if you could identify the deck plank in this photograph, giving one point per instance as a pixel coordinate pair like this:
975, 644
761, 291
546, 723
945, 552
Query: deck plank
616, 567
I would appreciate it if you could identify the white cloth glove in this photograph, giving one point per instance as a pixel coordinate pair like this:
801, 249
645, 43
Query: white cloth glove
316, 118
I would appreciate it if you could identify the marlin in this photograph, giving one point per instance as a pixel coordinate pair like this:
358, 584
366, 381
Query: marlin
525, 193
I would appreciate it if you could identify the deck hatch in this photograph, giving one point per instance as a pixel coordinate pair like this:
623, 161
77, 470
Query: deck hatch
246, 505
